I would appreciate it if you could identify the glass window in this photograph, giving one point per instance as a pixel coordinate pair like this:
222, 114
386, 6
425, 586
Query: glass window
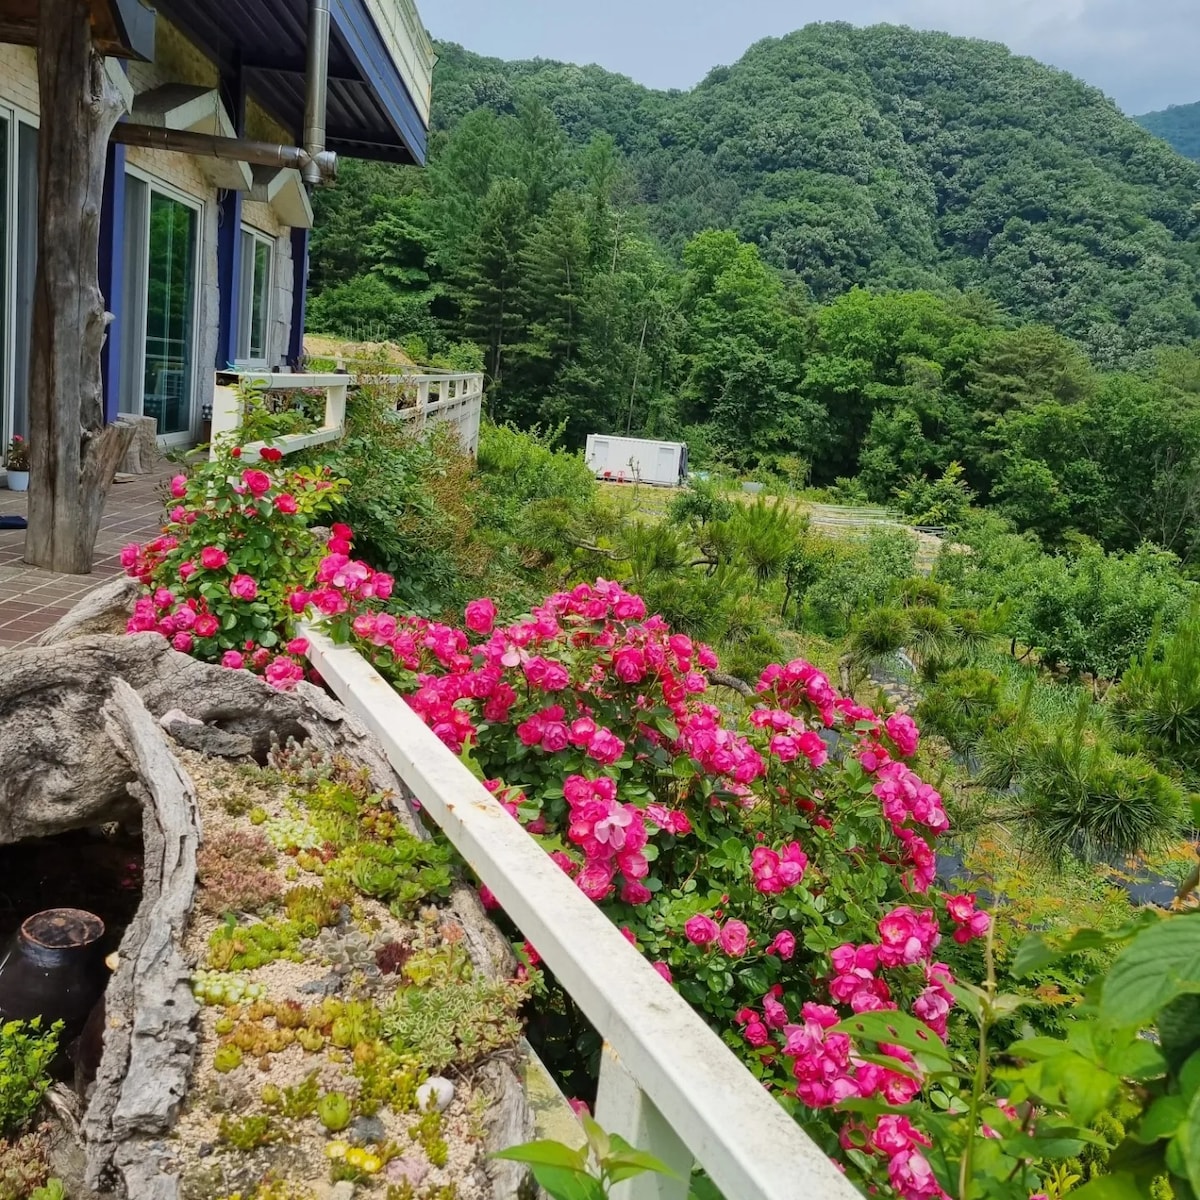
158, 360
254, 301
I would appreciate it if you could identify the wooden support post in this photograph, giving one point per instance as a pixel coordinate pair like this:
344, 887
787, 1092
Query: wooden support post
623, 1108
73, 454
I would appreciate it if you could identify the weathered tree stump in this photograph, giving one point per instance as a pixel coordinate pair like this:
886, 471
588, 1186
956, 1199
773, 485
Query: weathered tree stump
143, 457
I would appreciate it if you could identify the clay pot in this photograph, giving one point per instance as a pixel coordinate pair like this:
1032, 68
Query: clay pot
54, 968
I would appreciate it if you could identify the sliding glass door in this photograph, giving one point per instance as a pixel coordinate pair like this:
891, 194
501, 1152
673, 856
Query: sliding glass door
158, 359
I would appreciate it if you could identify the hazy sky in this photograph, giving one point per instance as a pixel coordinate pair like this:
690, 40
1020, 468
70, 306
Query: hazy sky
1143, 53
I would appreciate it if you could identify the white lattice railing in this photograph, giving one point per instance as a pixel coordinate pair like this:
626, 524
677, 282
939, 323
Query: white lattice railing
425, 400
668, 1084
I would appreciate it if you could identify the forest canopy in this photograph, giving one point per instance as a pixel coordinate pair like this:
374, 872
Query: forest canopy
915, 260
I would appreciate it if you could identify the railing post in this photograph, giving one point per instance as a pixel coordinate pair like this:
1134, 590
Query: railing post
335, 405
226, 415
623, 1108
422, 403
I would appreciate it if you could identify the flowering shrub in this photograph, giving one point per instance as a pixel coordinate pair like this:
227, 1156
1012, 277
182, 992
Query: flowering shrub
777, 870
223, 581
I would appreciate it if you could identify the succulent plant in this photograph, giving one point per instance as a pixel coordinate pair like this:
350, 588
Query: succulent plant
334, 1111
346, 951
226, 1059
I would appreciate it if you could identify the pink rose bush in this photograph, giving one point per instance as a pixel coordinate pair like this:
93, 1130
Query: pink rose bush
776, 869
237, 564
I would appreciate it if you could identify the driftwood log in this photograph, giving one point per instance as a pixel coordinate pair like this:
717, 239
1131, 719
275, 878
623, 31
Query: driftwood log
149, 1041
87, 728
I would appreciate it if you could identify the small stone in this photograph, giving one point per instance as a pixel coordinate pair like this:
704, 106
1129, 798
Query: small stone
436, 1093
343, 1190
367, 1131
406, 1170
205, 1149
326, 986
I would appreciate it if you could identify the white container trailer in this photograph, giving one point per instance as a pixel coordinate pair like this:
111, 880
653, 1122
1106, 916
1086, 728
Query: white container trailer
637, 460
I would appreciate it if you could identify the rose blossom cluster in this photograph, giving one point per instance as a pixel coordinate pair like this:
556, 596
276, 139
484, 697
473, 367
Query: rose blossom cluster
612, 837
970, 922
198, 593
733, 937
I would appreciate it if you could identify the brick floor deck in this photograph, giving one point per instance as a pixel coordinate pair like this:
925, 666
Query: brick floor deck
31, 600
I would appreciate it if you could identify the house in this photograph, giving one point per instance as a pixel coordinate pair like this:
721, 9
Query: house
204, 258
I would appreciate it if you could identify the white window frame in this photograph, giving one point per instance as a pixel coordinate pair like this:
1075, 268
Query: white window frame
245, 286
16, 117
138, 367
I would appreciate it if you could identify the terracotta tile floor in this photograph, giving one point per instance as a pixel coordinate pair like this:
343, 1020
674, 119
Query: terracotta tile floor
31, 600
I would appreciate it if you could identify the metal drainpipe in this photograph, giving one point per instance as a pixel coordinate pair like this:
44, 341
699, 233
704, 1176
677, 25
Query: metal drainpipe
317, 89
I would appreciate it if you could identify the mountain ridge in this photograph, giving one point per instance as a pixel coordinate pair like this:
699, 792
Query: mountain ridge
888, 157
1178, 125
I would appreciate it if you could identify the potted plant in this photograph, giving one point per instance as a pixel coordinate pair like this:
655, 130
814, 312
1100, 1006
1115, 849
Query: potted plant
17, 462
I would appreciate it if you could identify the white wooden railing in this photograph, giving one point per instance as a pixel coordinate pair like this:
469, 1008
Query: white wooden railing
668, 1084
426, 400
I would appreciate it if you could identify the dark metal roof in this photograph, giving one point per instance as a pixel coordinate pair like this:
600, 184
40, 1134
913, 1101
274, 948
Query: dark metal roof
370, 113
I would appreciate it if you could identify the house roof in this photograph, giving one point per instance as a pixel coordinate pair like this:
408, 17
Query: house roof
121, 28
370, 111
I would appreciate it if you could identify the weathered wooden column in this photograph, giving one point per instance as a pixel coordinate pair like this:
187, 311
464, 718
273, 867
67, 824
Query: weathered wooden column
73, 455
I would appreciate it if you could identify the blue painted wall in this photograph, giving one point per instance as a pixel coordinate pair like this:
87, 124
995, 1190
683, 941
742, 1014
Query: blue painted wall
299, 294
112, 274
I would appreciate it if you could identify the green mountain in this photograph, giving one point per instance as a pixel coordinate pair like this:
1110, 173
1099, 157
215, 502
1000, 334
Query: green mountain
892, 158
1179, 125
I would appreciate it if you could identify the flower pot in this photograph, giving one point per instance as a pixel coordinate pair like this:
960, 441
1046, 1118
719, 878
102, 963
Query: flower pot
54, 969
18, 481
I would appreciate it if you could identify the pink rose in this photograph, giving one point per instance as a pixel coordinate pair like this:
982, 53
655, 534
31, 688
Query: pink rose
903, 731
233, 659
784, 944
213, 558
481, 616
735, 938
242, 587
756, 1033
206, 626
298, 647
182, 642
257, 483
605, 747
286, 503
960, 908
179, 486
664, 971
701, 930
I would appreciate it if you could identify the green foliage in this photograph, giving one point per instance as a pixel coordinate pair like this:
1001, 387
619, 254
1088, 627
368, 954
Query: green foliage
27, 1051
943, 501
249, 1133
1077, 795
589, 1173
1158, 699
1093, 612
448, 1014
409, 501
